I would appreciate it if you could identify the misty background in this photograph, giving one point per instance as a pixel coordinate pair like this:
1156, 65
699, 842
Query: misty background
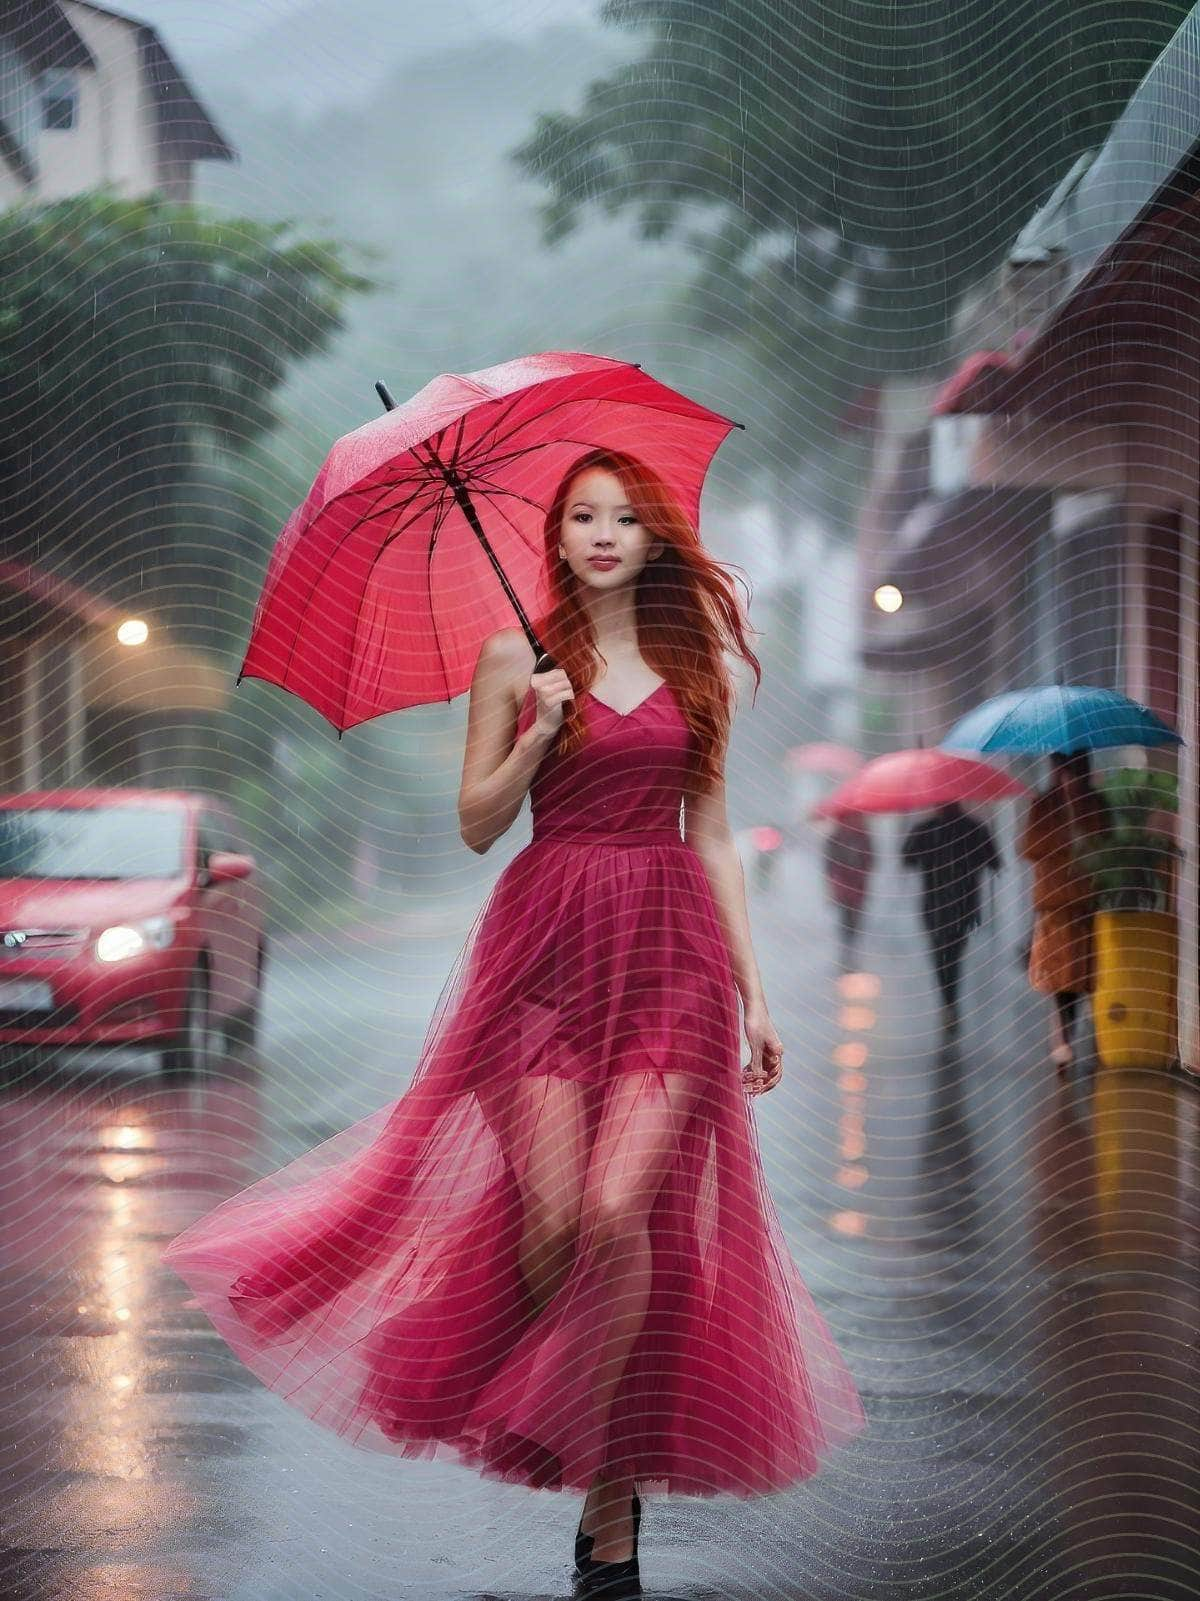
799, 215
390, 127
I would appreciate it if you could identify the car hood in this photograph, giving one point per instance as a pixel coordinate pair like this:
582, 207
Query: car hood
75, 903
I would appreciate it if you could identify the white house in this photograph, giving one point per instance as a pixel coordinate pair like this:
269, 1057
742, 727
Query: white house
92, 99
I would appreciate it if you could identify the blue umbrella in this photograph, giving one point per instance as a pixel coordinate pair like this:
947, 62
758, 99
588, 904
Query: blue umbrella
1058, 717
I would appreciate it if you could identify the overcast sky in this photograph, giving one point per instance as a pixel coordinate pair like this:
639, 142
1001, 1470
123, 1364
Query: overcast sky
199, 29
315, 54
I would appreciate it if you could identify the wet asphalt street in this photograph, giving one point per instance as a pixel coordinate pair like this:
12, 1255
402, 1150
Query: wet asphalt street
1010, 1264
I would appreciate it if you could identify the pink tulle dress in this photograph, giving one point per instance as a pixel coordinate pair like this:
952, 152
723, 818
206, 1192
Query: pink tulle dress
580, 1084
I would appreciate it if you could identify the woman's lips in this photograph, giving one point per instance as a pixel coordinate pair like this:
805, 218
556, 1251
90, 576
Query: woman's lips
604, 561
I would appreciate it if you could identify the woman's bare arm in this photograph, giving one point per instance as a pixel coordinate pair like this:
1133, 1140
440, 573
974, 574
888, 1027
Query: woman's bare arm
497, 770
706, 829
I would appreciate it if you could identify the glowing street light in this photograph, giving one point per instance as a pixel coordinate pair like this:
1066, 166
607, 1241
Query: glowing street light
133, 631
888, 598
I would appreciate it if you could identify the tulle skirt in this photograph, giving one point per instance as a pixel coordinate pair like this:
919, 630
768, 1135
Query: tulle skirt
555, 1254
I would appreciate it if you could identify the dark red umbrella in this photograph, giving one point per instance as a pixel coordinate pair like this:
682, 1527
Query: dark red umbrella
423, 531
916, 781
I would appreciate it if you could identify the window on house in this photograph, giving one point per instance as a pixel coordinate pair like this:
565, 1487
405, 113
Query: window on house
60, 100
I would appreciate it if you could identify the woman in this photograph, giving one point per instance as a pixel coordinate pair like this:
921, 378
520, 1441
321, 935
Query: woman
848, 863
1061, 954
951, 851
555, 1258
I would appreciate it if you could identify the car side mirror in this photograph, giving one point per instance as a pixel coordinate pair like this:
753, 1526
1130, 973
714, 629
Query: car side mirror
226, 867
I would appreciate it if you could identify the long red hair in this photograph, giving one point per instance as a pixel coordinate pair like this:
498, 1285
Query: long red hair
687, 607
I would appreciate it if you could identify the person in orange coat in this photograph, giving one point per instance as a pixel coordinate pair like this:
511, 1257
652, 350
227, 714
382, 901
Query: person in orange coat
1061, 957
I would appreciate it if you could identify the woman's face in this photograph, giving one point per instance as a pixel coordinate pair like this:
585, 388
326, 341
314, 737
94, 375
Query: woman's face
599, 525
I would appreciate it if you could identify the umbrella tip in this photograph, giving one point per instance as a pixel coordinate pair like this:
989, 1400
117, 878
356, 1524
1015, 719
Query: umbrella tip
385, 394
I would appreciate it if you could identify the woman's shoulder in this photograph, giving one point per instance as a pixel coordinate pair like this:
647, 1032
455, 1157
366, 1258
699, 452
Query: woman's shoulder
507, 655
507, 647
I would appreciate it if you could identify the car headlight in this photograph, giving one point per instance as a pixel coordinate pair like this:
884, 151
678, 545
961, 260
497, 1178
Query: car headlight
132, 939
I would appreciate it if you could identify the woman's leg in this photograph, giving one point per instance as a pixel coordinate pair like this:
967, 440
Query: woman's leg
843, 918
948, 945
1066, 1011
851, 917
641, 1125
939, 950
954, 960
540, 1122
1067, 1002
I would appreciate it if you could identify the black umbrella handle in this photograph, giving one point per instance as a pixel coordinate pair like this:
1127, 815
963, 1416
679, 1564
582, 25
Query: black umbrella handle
544, 662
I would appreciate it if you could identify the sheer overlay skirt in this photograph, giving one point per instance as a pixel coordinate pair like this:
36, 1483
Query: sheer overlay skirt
555, 1254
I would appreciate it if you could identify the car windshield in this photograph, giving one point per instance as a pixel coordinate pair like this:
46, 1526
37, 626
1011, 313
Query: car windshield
101, 842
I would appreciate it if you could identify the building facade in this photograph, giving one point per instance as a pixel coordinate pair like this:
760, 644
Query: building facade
1094, 414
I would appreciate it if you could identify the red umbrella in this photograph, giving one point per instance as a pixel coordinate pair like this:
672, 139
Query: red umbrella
829, 760
917, 780
423, 531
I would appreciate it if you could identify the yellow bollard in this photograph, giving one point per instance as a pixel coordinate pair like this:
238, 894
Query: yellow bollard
1134, 1003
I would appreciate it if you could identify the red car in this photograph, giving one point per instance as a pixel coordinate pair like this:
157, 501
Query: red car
128, 917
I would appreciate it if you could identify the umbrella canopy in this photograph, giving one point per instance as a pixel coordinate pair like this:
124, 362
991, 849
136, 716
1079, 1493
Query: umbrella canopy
916, 781
1058, 717
381, 590
828, 760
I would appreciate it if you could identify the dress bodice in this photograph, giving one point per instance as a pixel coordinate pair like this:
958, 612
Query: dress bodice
629, 776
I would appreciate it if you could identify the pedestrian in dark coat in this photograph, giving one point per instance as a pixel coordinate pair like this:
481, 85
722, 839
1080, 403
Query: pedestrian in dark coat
952, 851
849, 859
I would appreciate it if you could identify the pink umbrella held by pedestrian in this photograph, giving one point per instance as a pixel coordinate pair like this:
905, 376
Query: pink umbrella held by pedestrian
555, 1258
918, 781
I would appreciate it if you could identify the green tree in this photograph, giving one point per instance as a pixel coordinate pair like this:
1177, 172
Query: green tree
844, 170
141, 343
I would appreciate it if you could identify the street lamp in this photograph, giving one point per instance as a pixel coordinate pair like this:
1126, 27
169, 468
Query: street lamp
888, 598
133, 631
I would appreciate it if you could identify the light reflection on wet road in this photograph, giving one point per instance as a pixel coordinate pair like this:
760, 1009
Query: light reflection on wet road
1011, 1266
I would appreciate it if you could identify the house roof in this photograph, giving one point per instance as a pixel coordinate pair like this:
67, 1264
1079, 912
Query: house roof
1115, 217
1167, 227
181, 112
13, 152
1107, 191
56, 594
42, 32
157, 676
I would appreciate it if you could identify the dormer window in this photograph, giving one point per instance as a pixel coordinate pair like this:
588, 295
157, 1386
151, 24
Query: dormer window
60, 100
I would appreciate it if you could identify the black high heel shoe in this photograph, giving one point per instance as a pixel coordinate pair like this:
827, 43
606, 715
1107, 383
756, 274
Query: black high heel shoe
583, 1542
610, 1581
